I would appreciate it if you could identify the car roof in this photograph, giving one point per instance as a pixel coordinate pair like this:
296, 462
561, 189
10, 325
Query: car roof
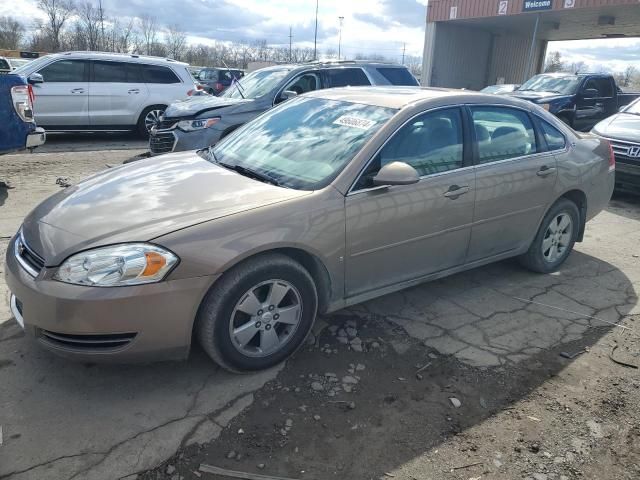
399, 97
126, 57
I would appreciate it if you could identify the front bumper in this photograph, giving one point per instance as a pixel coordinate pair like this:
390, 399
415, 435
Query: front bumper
117, 324
175, 140
628, 177
36, 138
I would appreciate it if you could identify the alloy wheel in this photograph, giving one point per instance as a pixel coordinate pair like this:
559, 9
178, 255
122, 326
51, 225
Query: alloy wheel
557, 237
265, 318
152, 118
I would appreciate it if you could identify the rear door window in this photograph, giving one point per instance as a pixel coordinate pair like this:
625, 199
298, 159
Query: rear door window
116, 72
159, 74
398, 76
554, 138
344, 77
65, 71
502, 133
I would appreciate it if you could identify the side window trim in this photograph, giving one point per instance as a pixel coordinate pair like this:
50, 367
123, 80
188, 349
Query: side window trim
351, 190
476, 152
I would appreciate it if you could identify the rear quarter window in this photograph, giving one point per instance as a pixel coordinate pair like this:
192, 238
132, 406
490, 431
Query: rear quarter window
398, 76
159, 74
554, 138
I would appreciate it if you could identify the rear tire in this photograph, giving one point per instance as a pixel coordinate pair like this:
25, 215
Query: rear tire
555, 238
149, 117
244, 325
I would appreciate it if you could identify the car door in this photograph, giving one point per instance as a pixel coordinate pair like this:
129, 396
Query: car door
62, 100
595, 101
116, 93
304, 82
515, 181
399, 233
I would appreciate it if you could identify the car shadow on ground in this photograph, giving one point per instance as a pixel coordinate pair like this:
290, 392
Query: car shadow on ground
336, 412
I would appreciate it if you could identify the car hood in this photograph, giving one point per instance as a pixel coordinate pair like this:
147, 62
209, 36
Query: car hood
142, 201
537, 97
200, 104
622, 126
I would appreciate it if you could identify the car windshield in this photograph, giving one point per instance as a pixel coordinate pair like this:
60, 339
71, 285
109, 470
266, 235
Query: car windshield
32, 66
256, 84
633, 108
566, 84
303, 144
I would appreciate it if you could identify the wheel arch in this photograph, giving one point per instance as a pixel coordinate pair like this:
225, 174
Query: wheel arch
151, 107
580, 199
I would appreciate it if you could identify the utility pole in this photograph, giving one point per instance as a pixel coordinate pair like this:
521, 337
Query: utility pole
102, 22
404, 49
340, 38
315, 37
290, 37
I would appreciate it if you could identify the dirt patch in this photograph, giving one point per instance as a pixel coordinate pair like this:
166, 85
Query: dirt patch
399, 410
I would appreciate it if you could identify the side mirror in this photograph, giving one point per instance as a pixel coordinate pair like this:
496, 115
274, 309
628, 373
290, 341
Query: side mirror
591, 93
35, 78
286, 95
396, 173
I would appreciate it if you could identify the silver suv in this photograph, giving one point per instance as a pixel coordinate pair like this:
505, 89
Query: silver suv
91, 91
202, 121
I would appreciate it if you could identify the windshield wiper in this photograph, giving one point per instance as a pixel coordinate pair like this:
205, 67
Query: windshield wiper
248, 172
235, 81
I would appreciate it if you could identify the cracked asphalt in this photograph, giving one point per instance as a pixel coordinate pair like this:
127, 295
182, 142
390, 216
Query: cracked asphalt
68, 420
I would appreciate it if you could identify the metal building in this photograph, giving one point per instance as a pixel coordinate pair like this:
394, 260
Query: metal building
474, 43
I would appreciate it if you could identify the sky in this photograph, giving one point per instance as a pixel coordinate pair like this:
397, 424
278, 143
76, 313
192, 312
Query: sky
383, 27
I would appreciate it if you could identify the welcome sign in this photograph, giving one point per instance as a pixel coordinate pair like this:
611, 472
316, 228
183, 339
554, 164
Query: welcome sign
534, 5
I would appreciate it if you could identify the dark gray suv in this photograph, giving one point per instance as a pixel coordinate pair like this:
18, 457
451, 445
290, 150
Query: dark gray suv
201, 121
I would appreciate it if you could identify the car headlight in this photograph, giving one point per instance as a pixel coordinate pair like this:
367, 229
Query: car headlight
199, 124
117, 265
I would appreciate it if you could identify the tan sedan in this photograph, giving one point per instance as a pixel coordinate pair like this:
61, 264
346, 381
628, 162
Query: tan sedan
330, 199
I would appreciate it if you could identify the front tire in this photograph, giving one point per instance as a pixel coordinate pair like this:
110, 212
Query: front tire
149, 117
555, 238
257, 314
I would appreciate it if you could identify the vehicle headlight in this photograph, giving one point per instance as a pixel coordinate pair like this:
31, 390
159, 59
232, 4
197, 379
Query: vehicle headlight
117, 265
199, 124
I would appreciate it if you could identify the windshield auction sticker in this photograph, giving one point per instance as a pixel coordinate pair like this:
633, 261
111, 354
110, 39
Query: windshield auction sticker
355, 122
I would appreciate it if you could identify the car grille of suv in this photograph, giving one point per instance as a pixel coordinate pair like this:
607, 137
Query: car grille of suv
162, 142
623, 150
101, 343
30, 260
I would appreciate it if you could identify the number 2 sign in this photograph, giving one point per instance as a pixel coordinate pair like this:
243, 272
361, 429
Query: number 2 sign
569, 3
502, 7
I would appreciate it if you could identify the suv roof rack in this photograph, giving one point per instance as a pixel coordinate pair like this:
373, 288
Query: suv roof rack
117, 54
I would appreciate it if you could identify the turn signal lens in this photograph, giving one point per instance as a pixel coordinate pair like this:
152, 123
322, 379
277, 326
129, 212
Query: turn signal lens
155, 263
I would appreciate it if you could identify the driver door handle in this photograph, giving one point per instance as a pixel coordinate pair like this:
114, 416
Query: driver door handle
455, 191
134, 90
546, 171
77, 90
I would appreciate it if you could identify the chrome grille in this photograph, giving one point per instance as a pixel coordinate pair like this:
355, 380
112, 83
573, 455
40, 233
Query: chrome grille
30, 260
626, 152
162, 142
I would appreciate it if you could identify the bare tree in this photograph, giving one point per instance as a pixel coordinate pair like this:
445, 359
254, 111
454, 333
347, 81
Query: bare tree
89, 19
58, 13
554, 63
149, 30
11, 33
176, 41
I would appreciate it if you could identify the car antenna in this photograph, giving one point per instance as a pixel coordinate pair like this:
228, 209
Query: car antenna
235, 81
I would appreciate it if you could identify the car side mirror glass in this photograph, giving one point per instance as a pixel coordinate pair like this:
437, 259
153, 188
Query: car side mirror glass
286, 95
35, 78
396, 173
590, 93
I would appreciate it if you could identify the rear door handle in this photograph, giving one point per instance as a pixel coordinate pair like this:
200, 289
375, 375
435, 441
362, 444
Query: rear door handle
546, 171
77, 90
134, 90
455, 191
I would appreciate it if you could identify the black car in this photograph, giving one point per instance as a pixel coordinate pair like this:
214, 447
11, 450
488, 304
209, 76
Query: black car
623, 131
217, 80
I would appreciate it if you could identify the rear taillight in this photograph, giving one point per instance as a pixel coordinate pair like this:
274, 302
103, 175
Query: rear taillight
22, 99
612, 158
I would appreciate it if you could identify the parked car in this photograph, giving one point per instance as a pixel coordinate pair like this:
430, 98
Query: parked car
5, 66
198, 123
18, 62
328, 200
92, 91
501, 88
623, 131
18, 130
579, 100
195, 71
217, 80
